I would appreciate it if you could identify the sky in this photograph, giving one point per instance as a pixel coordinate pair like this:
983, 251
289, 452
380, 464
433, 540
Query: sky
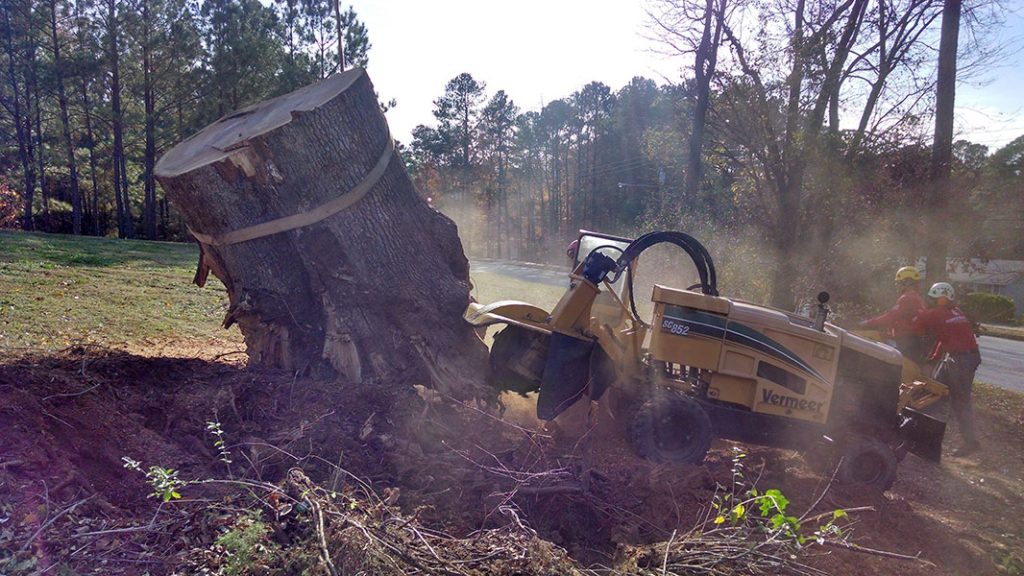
541, 50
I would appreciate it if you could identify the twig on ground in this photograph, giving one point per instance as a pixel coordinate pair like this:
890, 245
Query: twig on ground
668, 547
824, 491
45, 413
49, 522
883, 553
325, 554
72, 394
548, 490
826, 514
226, 354
145, 528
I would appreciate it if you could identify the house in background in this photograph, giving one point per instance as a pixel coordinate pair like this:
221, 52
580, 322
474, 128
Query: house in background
1003, 277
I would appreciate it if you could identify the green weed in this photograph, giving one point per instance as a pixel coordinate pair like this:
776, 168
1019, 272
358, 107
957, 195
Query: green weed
246, 545
767, 513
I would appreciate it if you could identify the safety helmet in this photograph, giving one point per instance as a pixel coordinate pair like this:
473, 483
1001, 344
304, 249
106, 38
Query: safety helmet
572, 249
941, 290
908, 273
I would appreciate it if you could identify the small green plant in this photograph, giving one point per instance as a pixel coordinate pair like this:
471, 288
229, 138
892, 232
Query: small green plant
747, 531
744, 506
223, 454
246, 545
164, 481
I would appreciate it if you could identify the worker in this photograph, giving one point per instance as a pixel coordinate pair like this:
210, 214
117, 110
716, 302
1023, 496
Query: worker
898, 319
957, 351
572, 249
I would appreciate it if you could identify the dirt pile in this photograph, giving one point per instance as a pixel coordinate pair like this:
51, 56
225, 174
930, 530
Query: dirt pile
397, 482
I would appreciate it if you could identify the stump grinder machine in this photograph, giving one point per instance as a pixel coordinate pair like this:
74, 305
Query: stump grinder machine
708, 366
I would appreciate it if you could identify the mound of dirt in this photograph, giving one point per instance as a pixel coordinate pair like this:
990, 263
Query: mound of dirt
417, 481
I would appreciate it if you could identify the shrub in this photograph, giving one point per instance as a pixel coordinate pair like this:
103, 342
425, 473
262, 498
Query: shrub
984, 307
10, 206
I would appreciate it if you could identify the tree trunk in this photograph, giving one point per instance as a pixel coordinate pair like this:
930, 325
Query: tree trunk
704, 66
20, 119
69, 146
125, 226
371, 291
90, 137
942, 146
40, 142
149, 181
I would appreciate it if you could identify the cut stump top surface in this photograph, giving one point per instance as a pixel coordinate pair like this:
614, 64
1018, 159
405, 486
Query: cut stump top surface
218, 140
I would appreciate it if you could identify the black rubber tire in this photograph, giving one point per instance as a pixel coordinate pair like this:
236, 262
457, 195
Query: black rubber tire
671, 427
867, 462
510, 342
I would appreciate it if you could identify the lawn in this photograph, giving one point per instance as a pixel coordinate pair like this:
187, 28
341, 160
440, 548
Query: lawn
57, 291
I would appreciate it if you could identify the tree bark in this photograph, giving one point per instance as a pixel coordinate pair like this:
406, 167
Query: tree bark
375, 291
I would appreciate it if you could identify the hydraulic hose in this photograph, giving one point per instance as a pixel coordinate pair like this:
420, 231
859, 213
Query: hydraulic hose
697, 252
597, 266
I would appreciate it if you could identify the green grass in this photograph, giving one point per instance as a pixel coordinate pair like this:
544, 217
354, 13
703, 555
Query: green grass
56, 291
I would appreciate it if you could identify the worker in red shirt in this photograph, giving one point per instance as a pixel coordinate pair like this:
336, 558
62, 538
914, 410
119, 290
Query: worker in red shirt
898, 320
572, 249
957, 350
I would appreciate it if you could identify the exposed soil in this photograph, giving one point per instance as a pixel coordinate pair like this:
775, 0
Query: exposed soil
67, 420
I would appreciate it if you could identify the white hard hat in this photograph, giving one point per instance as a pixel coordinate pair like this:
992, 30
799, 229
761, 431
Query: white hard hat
941, 289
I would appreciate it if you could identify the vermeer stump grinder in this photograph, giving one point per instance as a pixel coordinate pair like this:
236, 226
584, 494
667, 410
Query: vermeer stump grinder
707, 366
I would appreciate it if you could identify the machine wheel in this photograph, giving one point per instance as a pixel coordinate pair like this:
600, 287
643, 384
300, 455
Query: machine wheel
510, 346
867, 462
671, 428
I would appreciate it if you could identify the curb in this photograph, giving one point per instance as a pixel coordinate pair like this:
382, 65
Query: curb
999, 334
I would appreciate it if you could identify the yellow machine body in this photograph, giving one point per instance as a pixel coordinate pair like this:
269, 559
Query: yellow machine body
759, 373
758, 358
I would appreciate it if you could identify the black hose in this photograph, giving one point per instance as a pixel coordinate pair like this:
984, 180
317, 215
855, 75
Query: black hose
632, 301
697, 252
597, 266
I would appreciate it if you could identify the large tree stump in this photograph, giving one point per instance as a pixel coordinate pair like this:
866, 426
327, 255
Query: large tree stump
372, 290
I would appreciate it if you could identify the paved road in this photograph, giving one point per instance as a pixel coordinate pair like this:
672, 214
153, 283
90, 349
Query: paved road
1002, 360
537, 273
1002, 363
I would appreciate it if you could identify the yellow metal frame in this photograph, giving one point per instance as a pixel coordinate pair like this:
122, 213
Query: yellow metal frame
508, 312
